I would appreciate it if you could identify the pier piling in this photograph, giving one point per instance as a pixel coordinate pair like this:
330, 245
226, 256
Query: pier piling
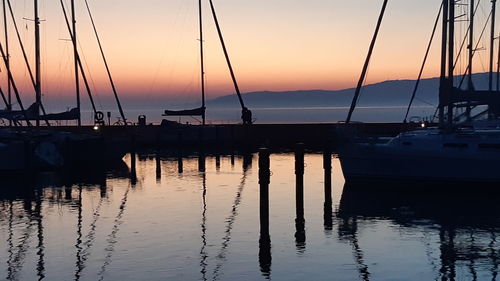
133, 169
232, 159
300, 234
265, 239
217, 162
327, 209
158, 166
201, 162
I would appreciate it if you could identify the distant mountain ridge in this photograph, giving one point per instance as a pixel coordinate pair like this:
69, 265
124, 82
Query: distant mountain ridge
387, 93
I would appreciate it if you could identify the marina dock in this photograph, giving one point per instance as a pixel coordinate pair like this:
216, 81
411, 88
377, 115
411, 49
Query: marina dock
236, 136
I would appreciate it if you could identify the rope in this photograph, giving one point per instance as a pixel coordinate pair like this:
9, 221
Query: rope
424, 62
86, 82
106, 65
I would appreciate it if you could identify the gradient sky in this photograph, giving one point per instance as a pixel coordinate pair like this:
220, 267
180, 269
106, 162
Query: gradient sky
152, 45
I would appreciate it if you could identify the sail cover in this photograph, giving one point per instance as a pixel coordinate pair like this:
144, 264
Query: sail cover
68, 115
187, 112
30, 112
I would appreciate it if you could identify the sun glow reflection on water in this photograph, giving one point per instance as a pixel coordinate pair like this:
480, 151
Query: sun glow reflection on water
205, 226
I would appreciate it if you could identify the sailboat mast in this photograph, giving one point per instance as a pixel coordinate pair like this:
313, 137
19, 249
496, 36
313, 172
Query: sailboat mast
7, 64
38, 82
451, 60
366, 64
202, 62
470, 86
492, 42
443, 87
75, 55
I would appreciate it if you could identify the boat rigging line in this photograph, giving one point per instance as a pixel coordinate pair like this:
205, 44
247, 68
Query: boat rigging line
246, 114
417, 84
7, 51
14, 87
77, 58
25, 56
7, 103
113, 87
367, 63
474, 52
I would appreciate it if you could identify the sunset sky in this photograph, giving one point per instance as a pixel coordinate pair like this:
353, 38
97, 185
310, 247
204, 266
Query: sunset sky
152, 46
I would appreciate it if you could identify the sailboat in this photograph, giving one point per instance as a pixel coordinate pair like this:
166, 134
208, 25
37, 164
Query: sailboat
41, 148
246, 114
462, 148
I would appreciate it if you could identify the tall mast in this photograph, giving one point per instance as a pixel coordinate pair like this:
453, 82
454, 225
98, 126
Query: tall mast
366, 64
7, 62
75, 55
443, 87
202, 63
492, 42
38, 82
451, 60
470, 85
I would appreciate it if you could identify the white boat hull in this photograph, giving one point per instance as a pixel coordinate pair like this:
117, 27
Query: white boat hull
431, 157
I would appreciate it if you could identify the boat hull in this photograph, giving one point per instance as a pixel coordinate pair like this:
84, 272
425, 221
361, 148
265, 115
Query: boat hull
442, 158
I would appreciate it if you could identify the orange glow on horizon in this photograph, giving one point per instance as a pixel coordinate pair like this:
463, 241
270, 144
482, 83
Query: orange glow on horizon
153, 51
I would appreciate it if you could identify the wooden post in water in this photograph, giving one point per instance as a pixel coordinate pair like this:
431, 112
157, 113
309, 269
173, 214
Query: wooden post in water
180, 165
217, 162
158, 165
133, 156
327, 209
133, 171
265, 239
201, 161
247, 161
300, 234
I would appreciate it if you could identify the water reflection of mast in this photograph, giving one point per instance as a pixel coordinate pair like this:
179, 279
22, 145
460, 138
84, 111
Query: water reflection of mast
10, 271
93, 225
448, 253
358, 253
16, 262
78, 245
40, 268
472, 263
112, 236
349, 230
493, 254
203, 253
221, 256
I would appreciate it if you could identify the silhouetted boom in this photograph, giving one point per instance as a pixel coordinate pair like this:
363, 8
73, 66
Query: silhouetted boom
31, 115
72, 114
187, 112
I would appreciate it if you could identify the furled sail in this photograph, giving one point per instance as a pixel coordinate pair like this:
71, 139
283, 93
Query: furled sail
187, 112
63, 116
30, 112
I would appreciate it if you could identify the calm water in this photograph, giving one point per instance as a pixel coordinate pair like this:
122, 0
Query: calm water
205, 226
282, 115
